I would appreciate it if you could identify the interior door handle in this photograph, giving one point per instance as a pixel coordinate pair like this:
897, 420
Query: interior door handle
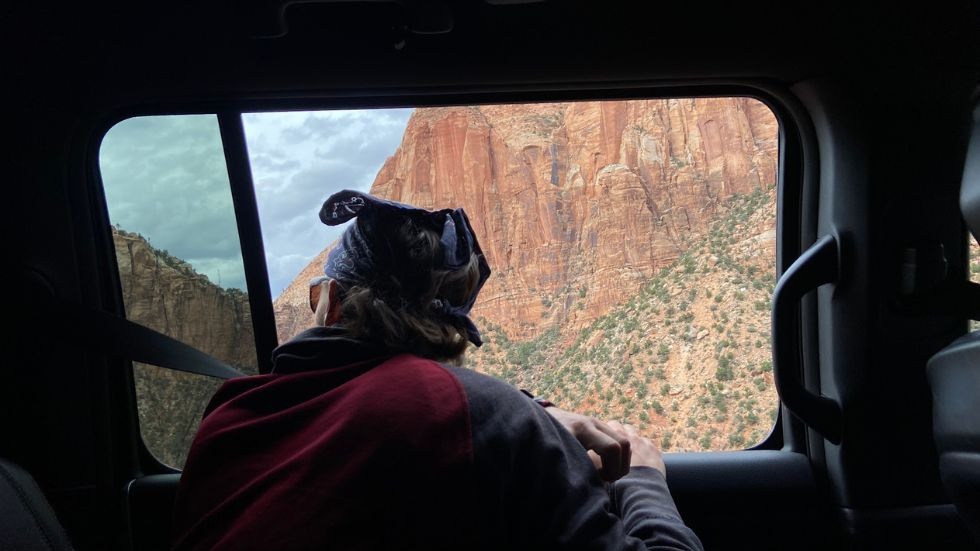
820, 264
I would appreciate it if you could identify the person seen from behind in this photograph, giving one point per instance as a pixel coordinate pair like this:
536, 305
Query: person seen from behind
369, 434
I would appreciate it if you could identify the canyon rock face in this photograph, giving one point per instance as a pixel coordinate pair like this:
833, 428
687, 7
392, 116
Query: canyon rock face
576, 205
165, 294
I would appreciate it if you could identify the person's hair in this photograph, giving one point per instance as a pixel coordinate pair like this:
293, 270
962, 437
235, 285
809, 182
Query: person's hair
398, 309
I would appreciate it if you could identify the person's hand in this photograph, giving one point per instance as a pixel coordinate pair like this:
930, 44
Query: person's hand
644, 452
609, 448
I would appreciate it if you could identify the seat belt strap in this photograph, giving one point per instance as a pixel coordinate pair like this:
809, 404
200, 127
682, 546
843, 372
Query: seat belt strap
110, 334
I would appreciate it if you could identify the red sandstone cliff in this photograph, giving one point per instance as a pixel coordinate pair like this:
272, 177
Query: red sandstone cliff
576, 204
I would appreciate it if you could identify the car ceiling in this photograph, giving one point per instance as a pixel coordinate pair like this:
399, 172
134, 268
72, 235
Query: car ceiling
219, 49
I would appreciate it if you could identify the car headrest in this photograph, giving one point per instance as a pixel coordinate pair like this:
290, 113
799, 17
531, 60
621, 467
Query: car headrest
28, 522
970, 188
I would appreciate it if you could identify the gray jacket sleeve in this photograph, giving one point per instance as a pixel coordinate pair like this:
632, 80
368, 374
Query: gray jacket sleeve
539, 490
643, 502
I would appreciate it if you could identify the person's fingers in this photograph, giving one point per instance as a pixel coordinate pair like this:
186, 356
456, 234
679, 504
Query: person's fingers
617, 464
596, 460
624, 444
610, 448
607, 448
618, 432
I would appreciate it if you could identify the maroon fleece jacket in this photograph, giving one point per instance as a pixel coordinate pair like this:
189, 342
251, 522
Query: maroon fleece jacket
346, 447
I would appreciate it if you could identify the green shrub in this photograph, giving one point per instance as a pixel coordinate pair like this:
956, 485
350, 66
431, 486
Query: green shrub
688, 263
720, 402
724, 371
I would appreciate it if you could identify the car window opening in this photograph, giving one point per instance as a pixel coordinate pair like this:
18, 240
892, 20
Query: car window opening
632, 245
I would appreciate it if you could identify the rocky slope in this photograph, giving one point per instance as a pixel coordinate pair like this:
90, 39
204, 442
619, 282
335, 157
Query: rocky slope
164, 293
686, 358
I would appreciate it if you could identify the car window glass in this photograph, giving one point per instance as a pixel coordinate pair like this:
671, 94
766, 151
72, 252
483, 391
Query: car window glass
179, 261
632, 243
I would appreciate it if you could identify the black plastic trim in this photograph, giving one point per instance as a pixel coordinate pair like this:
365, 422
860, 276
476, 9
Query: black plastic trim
250, 236
820, 264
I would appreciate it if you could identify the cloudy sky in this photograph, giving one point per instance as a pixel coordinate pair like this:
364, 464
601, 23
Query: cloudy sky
298, 160
165, 178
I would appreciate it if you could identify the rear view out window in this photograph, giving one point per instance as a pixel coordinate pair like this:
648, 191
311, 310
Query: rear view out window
632, 243
180, 263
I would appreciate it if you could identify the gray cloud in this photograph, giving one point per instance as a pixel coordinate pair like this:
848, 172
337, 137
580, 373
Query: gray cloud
268, 163
165, 177
325, 151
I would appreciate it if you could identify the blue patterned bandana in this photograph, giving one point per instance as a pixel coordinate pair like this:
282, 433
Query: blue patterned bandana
359, 254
